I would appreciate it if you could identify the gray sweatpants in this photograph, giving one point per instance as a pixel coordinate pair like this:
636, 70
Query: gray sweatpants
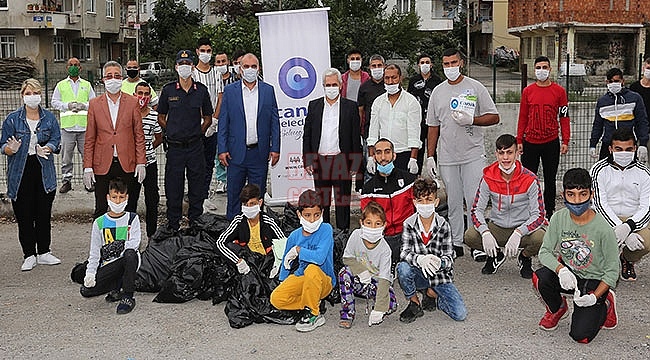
69, 140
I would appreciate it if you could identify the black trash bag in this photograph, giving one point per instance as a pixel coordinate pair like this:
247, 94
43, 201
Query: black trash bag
290, 220
250, 302
189, 272
156, 261
276, 217
78, 272
213, 224
340, 240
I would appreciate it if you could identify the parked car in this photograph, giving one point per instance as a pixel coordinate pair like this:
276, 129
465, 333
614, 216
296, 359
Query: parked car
154, 72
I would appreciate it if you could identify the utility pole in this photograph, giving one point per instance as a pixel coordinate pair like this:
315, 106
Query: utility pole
468, 49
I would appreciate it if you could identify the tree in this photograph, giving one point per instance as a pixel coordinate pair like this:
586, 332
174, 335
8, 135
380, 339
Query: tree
171, 29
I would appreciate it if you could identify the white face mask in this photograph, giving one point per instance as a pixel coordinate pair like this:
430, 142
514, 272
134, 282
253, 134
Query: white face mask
205, 57
32, 101
250, 75
113, 86
184, 71
614, 87
235, 68
646, 73
541, 74
117, 208
311, 227
372, 235
250, 211
377, 73
425, 68
425, 210
222, 69
623, 158
331, 92
391, 89
452, 73
508, 171
355, 65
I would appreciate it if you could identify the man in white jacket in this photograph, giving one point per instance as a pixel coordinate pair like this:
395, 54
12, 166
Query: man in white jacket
622, 196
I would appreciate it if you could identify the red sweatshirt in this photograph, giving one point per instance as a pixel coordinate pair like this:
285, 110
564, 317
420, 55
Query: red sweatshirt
538, 114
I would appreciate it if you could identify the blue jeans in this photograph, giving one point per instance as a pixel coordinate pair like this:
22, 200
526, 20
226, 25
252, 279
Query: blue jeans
411, 279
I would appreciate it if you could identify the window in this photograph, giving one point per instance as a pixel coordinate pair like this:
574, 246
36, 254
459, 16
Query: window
59, 48
538, 46
90, 6
525, 48
110, 8
403, 6
143, 7
550, 47
4, 5
81, 49
7, 46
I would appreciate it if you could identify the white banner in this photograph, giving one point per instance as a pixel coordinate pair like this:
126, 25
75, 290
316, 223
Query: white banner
295, 53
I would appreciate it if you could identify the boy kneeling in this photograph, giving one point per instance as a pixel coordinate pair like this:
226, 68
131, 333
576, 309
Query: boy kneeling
427, 259
367, 259
310, 251
114, 258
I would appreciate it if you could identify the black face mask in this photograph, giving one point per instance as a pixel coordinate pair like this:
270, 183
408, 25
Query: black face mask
132, 73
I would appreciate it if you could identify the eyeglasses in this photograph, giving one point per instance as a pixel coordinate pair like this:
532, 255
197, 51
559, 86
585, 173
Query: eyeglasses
110, 76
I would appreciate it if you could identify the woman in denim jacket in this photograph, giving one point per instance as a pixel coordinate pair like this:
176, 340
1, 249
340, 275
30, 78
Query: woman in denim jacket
30, 137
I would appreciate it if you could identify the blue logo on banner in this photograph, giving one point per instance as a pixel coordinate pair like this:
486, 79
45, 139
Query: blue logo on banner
297, 78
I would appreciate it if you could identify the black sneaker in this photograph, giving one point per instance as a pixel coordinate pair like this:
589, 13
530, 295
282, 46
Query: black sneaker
126, 305
65, 187
478, 255
412, 312
627, 270
114, 295
492, 264
525, 266
459, 251
429, 303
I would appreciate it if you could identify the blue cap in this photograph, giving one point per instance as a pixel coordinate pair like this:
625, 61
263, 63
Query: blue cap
184, 55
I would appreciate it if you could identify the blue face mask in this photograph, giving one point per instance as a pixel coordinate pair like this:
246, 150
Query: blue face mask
386, 169
577, 209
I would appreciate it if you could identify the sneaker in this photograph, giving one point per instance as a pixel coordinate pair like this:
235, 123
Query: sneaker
65, 187
48, 259
479, 255
114, 295
550, 320
525, 266
220, 187
492, 264
612, 317
126, 305
627, 270
412, 312
322, 308
459, 251
309, 321
429, 303
29, 263
90, 189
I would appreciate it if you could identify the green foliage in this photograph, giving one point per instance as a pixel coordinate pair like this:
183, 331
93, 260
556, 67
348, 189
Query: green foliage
511, 96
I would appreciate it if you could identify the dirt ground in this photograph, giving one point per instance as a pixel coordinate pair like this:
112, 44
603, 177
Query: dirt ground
42, 315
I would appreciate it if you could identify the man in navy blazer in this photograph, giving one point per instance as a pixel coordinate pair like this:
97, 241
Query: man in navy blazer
331, 147
249, 132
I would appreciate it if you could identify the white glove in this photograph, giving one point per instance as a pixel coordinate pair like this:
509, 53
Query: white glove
140, 172
622, 231
212, 129
462, 118
365, 277
430, 166
489, 244
370, 166
291, 254
634, 242
43, 151
375, 318
89, 281
592, 153
14, 144
413, 166
584, 300
89, 178
243, 267
568, 281
512, 246
642, 154
429, 264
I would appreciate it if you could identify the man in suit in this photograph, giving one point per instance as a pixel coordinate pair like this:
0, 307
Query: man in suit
331, 156
249, 132
114, 142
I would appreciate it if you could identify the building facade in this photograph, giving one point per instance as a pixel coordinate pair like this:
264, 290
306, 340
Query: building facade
489, 28
434, 15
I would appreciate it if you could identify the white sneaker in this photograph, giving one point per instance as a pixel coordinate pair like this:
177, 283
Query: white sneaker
220, 187
29, 263
48, 259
